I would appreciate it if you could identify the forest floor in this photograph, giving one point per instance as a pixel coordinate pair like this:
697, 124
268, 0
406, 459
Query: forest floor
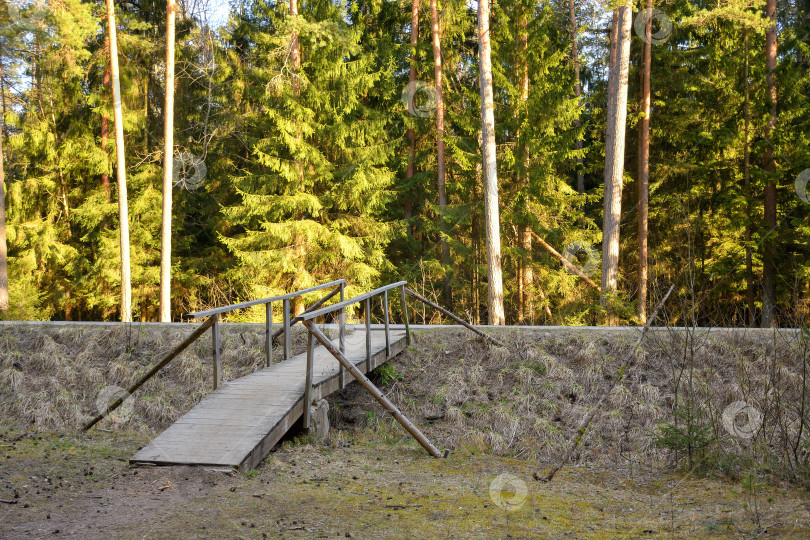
499, 411
59, 485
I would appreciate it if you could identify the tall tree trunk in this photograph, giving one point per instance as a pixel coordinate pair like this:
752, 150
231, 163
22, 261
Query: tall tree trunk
491, 210
614, 156
769, 165
525, 285
749, 266
572, 14
3, 246
440, 165
4, 296
411, 134
121, 170
644, 168
168, 170
105, 118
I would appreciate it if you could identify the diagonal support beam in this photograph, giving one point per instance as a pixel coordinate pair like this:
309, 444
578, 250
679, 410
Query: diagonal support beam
373, 390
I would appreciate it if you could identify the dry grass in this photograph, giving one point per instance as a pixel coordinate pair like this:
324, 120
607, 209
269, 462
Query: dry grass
525, 401
51, 376
529, 400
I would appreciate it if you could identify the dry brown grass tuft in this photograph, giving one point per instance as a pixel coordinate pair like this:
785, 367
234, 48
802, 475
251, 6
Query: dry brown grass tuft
50, 376
528, 400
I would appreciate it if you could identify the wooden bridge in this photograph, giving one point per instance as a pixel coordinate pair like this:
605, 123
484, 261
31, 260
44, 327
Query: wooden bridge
240, 421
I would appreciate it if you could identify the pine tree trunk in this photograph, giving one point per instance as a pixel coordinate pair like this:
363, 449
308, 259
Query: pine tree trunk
614, 156
440, 165
168, 170
491, 210
525, 285
572, 14
411, 134
644, 168
121, 170
4, 295
749, 266
3, 245
105, 118
768, 247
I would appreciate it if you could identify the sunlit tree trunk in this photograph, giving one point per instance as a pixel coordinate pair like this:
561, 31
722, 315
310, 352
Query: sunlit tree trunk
525, 285
491, 210
121, 170
440, 163
3, 245
4, 295
614, 155
644, 168
168, 166
768, 251
105, 118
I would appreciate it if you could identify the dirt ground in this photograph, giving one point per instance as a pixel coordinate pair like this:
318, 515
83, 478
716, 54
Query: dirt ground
58, 485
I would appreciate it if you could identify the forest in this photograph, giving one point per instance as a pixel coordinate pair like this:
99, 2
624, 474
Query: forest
543, 163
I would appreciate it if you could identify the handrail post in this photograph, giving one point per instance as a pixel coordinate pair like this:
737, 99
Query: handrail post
368, 335
387, 331
217, 361
308, 383
342, 334
405, 314
287, 337
268, 338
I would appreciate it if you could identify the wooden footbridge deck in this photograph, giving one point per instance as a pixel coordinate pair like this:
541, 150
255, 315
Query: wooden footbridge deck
240, 421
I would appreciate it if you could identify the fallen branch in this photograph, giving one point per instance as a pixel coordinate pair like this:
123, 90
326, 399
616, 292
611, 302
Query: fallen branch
573, 269
586, 422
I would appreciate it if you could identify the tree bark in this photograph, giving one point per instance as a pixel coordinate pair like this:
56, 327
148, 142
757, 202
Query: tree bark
491, 210
614, 156
577, 92
4, 296
121, 170
644, 168
168, 170
411, 134
525, 285
769, 165
105, 118
440, 164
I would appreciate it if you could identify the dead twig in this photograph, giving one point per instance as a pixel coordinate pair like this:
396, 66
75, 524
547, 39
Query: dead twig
586, 422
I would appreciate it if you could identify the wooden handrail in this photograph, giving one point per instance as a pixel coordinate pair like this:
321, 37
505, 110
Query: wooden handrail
360, 298
243, 305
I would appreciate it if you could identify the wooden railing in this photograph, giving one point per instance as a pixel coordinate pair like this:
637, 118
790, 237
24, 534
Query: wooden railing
287, 322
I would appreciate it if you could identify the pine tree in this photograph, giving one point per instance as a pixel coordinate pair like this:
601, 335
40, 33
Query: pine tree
614, 155
491, 211
168, 171
293, 228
